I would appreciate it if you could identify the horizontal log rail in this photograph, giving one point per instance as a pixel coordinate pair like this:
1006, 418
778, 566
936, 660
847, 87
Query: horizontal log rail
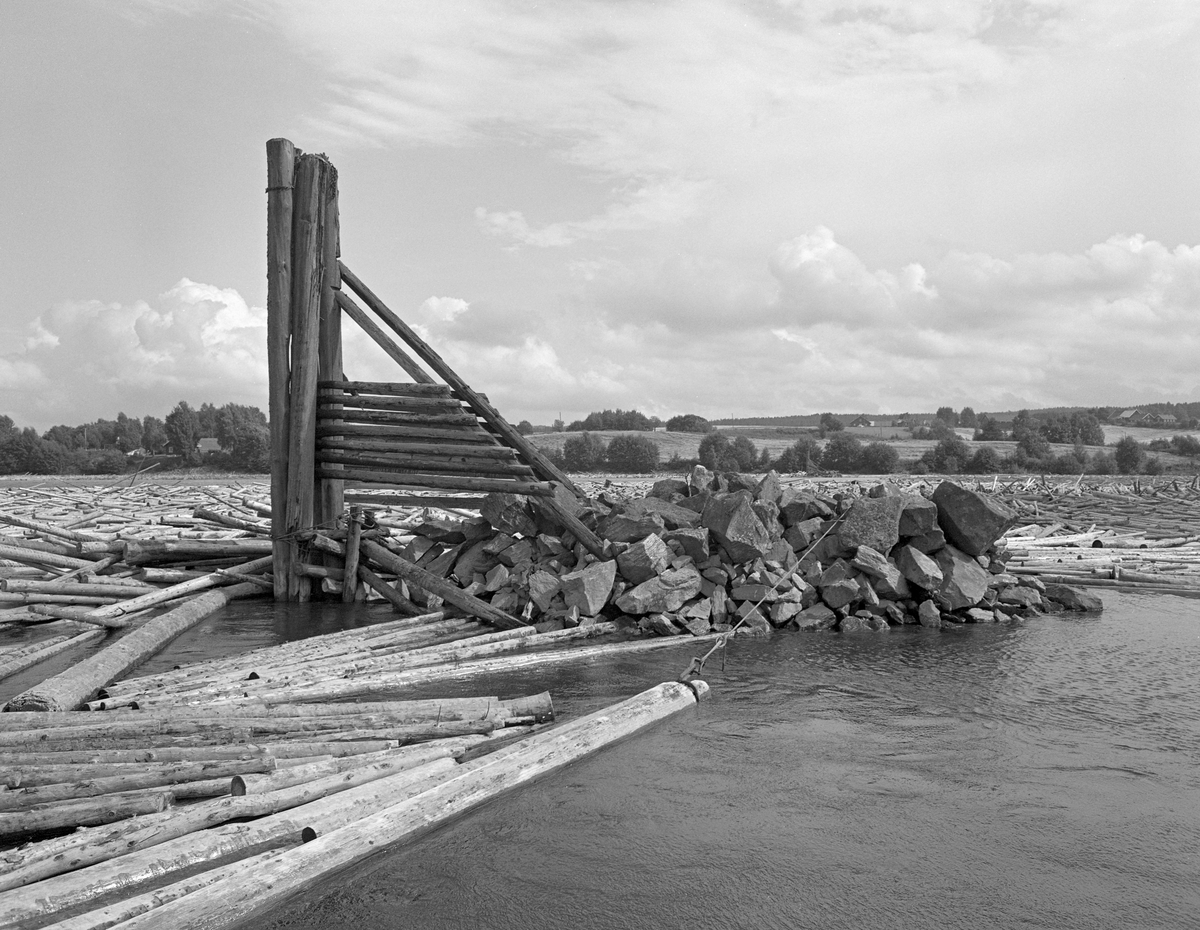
482, 437
417, 481
402, 404
497, 453
387, 388
326, 412
426, 464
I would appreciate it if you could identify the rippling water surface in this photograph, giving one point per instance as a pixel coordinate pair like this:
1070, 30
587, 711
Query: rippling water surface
1039, 775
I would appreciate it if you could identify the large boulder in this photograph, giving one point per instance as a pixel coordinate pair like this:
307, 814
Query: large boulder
816, 617
873, 522
918, 568
803, 534
589, 588
970, 521
663, 593
645, 559
692, 540
732, 520
1072, 598
621, 527
509, 513
672, 515
964, 582
919, 515
796, 506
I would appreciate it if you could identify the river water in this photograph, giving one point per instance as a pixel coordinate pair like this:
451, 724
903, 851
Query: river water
1045, 774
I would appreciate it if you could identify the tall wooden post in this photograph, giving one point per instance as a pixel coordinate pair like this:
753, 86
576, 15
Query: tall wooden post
281, 170
330, 492
314, 179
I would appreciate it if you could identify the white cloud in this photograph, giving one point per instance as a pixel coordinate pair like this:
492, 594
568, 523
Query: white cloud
85, 359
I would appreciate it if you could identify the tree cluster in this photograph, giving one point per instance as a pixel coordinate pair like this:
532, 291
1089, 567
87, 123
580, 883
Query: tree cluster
110, 446
625, 454
615, 420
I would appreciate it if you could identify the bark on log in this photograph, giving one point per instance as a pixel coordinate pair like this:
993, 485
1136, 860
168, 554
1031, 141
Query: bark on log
227, 902
71, 688
125, 857
435, 585
281, 171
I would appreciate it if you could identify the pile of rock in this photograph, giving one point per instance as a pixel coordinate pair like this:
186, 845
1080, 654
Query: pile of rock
718, 552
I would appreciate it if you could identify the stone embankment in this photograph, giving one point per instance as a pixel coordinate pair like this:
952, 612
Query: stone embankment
714, 553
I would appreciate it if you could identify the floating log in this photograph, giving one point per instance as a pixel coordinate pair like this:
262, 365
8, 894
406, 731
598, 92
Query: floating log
131, 854
104, 917
148, 551
40, 652
227, 902
79, 683
154, 598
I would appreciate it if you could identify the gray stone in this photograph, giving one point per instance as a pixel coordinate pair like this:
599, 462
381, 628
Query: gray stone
768, 515
873, 522
840, 593
856, 623
664, 593
981, 615
509, 513
817, 617
497, 578
620, 527
964, 582
1072, 598
929, 615
589, 589
871, 562
673, 516
692, 540
798, 506
667, 489
697, 626
929, 543
732, 520
919, 516
803, 534
837, 571
644, 559
753, 623
661, 624
892, 585
769, 488
783, 611
518, 554
919, 568
970, 521
1020, 596
700, 478
542, 588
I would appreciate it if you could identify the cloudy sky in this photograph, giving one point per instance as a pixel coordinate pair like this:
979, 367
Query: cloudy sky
764, 207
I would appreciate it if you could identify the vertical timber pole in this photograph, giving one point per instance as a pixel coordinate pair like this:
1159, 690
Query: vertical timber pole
330, 492
281, 172
313, 177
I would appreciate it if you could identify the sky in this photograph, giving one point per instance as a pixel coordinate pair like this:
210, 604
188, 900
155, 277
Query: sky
769, 207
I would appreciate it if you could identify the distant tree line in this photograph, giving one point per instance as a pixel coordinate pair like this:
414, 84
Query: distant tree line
109, 447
